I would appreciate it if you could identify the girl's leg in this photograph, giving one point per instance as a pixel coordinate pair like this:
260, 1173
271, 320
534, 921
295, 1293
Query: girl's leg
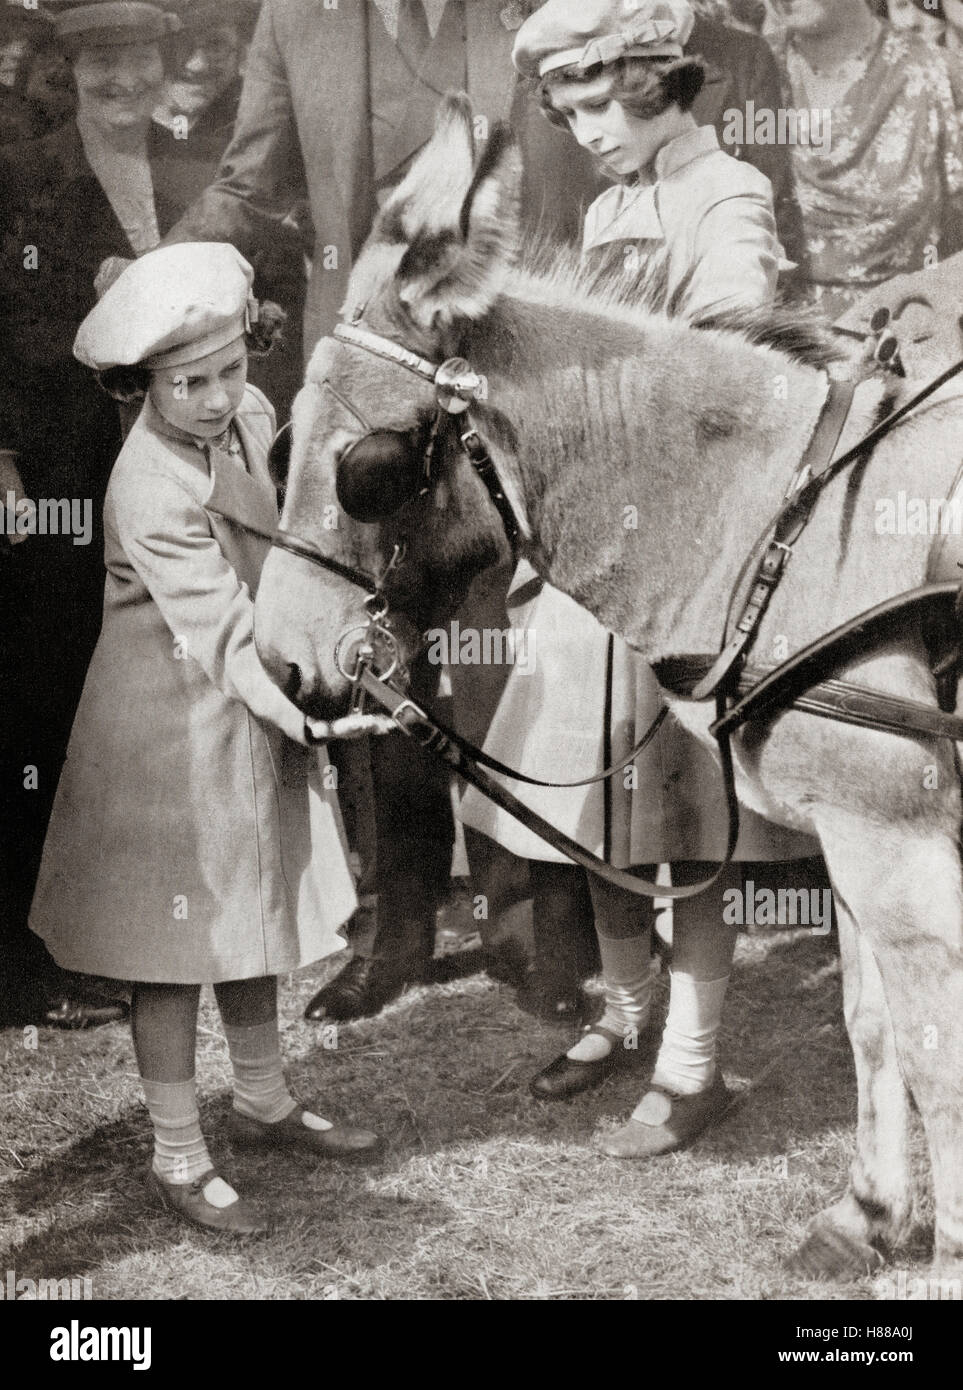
266, 1115
249, 1011
687, 1094
163, 1021
164, 1026
623, 924
702, 950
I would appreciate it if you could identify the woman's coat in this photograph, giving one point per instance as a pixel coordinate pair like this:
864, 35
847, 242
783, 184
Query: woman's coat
191, 840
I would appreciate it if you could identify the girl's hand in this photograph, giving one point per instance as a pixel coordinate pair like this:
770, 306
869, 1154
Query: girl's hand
352, 726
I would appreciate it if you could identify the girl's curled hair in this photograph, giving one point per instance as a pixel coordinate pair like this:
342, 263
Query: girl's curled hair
645, 87
129, 385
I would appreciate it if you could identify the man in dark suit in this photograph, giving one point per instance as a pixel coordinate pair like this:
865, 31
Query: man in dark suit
335, 103
193, 126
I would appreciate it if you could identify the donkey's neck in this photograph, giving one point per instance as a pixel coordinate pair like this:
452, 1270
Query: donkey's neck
648, 456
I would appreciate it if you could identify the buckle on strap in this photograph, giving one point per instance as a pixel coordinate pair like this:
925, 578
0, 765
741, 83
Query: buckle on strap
413, 721
775, 560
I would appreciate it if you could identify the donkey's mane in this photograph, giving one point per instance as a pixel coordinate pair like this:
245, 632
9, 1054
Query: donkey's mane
798, 331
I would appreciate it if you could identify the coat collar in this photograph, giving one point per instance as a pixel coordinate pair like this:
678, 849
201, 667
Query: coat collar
692, 145
631, 212
242, 494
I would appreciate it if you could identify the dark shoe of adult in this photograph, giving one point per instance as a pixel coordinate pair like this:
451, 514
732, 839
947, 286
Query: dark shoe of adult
553, 999
508, 962
188, 1199
664, 1121
346, 1143
364, 987
70, 1013
566, 1077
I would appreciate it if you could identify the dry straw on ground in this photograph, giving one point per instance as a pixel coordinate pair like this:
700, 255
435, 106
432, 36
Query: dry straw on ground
485, 1193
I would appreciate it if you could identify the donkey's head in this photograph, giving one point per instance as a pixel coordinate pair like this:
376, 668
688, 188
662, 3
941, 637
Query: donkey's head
375, 467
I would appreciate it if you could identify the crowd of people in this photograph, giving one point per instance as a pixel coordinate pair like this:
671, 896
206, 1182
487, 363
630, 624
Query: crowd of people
134, 135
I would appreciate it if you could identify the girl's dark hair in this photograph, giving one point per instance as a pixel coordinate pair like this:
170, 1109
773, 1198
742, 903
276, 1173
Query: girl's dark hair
129, 385
644, 86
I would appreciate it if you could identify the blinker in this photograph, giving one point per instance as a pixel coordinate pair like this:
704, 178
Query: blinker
378, 475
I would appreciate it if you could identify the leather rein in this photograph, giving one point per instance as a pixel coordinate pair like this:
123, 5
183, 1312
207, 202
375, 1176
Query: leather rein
758, 692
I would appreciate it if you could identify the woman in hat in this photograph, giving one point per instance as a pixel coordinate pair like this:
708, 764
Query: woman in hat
67, 201
696, 228
193, 838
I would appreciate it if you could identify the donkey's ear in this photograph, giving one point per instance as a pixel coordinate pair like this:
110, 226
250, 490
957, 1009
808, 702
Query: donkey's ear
430, 195
455, 268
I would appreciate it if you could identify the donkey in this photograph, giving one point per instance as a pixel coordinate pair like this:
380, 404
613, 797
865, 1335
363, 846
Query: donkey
596, 411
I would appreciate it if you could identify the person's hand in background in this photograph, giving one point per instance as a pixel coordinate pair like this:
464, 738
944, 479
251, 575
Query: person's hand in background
10, 483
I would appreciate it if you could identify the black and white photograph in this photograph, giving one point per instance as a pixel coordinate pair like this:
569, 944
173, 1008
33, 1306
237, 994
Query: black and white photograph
481, 661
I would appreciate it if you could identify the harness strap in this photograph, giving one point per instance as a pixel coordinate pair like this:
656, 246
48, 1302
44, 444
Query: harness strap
387, 349
815, 463
843, 701
433, 736
284, 540
478, 755
789, 526
781, 686
480, 459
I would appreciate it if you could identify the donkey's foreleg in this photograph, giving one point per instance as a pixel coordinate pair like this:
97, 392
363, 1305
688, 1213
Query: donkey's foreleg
876, 1209
901, 882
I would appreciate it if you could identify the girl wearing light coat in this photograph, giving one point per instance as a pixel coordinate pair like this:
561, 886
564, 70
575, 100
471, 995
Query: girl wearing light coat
697, 226
194, 839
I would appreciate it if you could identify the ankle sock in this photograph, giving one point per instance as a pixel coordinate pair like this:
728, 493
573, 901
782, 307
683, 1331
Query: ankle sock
627, 977
260, 1090
687, 1058
180, 1154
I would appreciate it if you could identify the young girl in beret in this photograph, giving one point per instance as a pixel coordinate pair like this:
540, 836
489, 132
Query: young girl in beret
695, 227
193, 840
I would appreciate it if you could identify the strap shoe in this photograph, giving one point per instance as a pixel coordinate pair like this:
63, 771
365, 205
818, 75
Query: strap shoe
187, 1199
567, 1077
347, 1143
664, 1121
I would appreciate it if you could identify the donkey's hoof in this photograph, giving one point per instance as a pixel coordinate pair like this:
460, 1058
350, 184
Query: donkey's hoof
828, 1253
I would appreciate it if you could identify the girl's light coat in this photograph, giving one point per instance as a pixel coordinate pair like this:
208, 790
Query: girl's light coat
711, 215
191, 840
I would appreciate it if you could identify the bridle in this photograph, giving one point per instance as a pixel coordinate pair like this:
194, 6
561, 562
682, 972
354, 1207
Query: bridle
371, 663
371, 649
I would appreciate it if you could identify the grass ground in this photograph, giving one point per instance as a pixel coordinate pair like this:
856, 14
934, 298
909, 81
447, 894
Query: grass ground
484, 1193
